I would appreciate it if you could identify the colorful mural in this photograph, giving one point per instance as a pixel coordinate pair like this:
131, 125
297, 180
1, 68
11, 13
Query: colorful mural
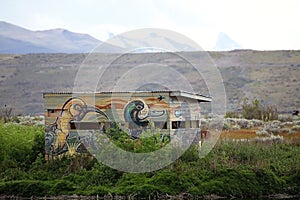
59, 136
135, 115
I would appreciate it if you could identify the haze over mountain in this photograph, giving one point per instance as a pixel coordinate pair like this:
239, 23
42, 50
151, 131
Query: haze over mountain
225, 43
15, 39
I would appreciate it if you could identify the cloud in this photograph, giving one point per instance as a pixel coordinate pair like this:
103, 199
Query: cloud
262, 24
254, 24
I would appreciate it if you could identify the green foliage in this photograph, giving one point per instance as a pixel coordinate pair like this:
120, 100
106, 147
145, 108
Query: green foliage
230, 114
138, 184
102, 175
147, 142
62, 187
255, 110
240, 169
20, 144
94, 190
25, 188
12, 174
191, 154
7, 115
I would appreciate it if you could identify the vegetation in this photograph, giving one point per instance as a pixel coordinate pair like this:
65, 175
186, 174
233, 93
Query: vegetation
254, 110
7, 115
240, 169
147, 142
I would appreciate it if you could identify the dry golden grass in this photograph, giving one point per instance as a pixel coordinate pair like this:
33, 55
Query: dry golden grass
251, 134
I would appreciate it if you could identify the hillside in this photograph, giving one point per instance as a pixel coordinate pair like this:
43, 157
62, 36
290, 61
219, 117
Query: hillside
15, 39
271, 76
18, 40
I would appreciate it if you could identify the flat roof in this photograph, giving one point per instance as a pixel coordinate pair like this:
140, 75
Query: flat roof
176, 93
191, 95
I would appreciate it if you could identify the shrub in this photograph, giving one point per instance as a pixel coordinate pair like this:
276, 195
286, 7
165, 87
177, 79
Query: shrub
17, 142
244, 123
255, 110
94, 190
25, 188
6, 113
231, 114
262, 132
239, 169
285, 118
295, 129
256, 122
62, 187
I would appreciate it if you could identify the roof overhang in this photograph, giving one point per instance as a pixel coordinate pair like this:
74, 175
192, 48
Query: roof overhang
179, 93
189, 95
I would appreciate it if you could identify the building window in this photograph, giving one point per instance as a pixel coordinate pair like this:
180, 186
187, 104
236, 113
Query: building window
53, 112
185, 124
90, 125
178, 124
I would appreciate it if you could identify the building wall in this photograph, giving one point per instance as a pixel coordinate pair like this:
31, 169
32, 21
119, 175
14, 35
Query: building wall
65, 115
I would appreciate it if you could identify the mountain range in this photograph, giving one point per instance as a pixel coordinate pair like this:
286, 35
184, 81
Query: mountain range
17, 40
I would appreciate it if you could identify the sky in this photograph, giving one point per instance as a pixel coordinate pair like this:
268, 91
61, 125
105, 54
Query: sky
254, 24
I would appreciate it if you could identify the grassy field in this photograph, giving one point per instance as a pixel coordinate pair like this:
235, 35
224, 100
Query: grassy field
246, 169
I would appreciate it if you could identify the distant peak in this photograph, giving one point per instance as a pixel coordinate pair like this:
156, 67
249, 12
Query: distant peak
225, 43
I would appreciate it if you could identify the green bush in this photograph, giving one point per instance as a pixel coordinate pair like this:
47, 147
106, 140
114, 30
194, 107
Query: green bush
137, 184
101, 174
230, 114
19, 143
60, 187
240, 169
94, 191
25, 188
11, 174
255, 110
147, 142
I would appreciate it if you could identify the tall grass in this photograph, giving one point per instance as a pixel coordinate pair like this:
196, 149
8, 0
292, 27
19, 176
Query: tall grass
240, 169
19, 144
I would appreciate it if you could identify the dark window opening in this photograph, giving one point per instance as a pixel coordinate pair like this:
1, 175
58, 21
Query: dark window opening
185, 124
53, 112
178, 124
90, 125
73, 126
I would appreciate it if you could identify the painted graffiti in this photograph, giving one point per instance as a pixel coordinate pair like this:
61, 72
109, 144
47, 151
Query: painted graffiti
62, 135
59, 136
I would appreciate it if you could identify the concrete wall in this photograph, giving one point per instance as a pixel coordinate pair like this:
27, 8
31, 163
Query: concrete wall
66, 114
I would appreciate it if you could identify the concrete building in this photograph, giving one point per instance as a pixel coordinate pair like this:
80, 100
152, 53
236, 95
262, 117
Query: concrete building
67, 114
